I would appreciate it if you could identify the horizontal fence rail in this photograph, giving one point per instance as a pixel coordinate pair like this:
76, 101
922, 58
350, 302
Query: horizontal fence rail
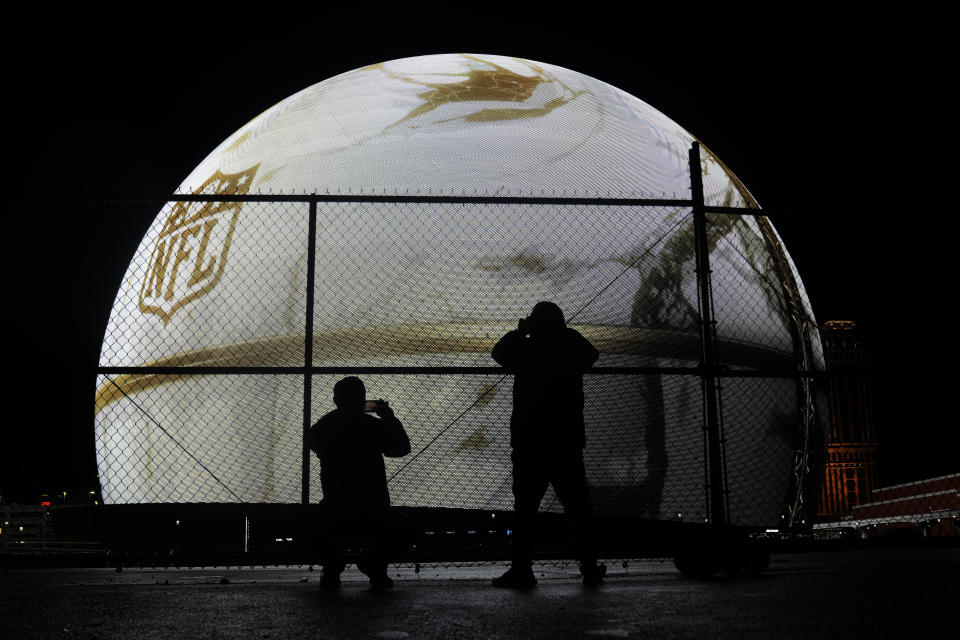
460, 199
595, 371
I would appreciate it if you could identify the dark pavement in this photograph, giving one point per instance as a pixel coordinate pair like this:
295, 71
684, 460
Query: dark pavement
853, 594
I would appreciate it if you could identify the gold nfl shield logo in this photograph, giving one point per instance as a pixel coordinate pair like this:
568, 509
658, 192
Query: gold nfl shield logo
190, 254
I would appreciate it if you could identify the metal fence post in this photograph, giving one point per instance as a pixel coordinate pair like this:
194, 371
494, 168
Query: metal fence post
708, 361
308, 365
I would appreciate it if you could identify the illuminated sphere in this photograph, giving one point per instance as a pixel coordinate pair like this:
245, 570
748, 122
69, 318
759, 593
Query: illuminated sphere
432, 285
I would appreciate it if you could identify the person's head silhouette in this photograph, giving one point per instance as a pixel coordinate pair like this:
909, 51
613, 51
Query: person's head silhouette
546, 317
350, 394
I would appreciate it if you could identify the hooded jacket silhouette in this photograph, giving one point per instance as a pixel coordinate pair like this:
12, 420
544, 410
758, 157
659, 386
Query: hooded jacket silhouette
548, 360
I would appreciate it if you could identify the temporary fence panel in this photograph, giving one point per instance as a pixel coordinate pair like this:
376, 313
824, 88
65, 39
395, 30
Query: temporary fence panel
238, 314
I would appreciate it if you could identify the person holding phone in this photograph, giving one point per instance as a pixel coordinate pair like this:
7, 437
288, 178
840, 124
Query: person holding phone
547, 435
351, 444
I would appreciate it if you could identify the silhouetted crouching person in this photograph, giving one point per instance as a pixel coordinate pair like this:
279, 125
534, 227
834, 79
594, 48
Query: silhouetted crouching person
547, 434
356, 502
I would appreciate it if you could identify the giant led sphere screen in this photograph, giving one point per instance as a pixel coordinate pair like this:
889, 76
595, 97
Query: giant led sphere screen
424, 285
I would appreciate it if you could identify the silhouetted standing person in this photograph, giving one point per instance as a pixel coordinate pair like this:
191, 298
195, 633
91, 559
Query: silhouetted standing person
356, 502
547, 434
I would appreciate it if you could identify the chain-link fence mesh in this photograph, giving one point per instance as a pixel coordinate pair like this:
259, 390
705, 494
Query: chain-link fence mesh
437, 284
200, 438
209, 288
459, 427
201, 393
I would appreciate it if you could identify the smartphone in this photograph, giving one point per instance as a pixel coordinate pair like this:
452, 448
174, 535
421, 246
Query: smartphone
371, 406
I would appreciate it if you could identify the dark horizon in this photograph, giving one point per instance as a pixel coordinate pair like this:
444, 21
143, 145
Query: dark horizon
813, 126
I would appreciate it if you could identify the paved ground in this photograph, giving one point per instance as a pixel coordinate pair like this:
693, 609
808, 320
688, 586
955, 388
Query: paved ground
874, 594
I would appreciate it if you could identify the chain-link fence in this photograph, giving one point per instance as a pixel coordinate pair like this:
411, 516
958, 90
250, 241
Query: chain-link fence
239, 312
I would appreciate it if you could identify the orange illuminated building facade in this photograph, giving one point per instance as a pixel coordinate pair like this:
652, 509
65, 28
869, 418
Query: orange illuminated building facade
851, 466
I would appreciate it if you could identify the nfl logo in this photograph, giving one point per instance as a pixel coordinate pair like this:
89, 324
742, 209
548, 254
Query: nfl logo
190, 254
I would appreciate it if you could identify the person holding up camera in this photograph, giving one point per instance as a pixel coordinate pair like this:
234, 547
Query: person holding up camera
548, 360
351, 444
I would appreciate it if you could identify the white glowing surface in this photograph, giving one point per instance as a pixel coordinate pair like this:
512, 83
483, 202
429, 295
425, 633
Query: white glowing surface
447, 124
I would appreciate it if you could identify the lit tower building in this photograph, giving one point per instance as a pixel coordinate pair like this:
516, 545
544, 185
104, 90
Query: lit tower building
851, 468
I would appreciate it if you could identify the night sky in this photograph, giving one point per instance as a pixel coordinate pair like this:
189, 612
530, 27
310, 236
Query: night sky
845, 122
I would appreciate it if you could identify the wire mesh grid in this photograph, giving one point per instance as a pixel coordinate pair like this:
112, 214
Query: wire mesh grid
200, 438
208, 286
200, 397
437, 284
